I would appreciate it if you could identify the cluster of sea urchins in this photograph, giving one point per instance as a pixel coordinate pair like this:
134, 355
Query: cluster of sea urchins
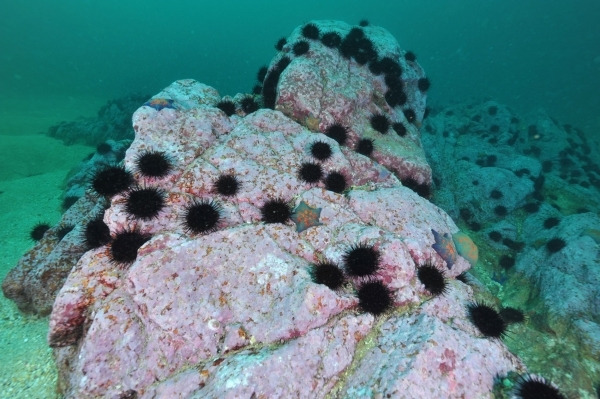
361, 261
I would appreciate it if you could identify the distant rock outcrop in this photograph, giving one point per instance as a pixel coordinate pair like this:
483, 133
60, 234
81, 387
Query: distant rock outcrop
112, 123
531, 188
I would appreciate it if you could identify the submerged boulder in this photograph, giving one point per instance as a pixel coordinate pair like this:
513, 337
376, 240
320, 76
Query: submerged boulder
212, 289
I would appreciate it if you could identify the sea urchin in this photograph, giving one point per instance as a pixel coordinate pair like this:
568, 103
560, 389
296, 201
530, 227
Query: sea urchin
276, 211
227, 185
111, 180
487, 320
361, 260
374, 297
329, 274
202, 216
145, 203
125, 245
153, 164
432, 278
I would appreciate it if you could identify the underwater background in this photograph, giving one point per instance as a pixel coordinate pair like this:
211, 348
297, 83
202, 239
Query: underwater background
63, 60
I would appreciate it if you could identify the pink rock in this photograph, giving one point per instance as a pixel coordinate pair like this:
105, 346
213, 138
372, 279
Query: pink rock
236, 313
323, 88
419, 356
34, 283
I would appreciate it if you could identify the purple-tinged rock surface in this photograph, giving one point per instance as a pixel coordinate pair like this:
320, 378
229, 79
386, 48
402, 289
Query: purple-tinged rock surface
236, 312
35, 281
323, 88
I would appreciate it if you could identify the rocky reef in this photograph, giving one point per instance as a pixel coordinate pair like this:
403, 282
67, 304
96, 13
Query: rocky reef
113, 122
286, 240
530, 187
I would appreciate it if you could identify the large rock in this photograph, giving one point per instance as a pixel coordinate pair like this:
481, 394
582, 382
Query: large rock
35, 281
489, 163
237, 312
567, 279
323, 88
113, 122
235, 302
545, 179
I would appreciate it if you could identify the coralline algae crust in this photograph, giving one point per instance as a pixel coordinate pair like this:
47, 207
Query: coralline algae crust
235, 313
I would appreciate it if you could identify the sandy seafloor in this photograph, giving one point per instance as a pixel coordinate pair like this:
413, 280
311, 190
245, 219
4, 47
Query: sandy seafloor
33, 169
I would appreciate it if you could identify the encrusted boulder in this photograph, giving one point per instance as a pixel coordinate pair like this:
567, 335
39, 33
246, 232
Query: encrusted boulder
34, 282
241, 303
322, 88
225, 302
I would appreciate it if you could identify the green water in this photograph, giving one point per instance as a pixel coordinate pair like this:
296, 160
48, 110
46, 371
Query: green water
62, 59
526, 54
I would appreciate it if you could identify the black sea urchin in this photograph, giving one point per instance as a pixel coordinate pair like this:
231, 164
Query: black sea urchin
410, 115
311, 31
111, 180
153, 164
337, 132
336, 182
374, 297
103, 148
226, 106
423, 84
96, 233
487, 320
320, 150
410, 56
276, 211
365, 146
249, 105
310, 172
495, 235
145, 203
512, 315
280, 43
399, 128
555, 244
301, 48
496, 194
536, 387
361, 260
68, 201
506, 261
329, 274
202, 216
395, 97
125, 245
551, 222
331, 39
38, 231
432, 278
227, 185
380, 122
262, 73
